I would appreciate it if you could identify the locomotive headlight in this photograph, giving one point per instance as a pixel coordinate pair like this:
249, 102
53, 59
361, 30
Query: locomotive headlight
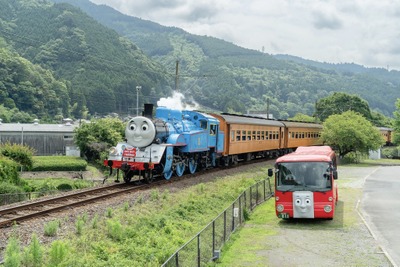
280, 207
113, 151
277, 198
327, 208
330, 198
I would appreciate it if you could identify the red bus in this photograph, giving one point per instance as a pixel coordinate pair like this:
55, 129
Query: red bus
305, 185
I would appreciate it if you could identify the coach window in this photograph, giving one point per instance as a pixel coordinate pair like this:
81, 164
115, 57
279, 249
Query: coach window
232, 135
243, 135
258, 135
254, 135
248, 135
262, 135
238, 135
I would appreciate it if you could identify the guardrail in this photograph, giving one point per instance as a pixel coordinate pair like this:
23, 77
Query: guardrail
207, 244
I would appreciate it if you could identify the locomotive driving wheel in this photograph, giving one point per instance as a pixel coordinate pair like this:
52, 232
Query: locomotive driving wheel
180, 168
192, 165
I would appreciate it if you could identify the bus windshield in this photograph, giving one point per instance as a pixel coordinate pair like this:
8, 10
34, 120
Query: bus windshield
304, 176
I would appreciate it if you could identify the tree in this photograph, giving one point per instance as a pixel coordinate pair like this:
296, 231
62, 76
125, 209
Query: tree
94, 137
302, 117
351, 132
339, 102
396, 123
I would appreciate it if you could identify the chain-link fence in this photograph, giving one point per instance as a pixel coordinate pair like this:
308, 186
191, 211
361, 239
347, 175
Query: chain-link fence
6, 199
207, 244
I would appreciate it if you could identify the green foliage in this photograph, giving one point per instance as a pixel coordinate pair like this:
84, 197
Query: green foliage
391, 152
337, 103
396, 123
351, 132
9, 171
50, 184
302, 117
58, 163
97, 136
33, 254
50, 228
19, 153
114, 230
58, 252
80, 222
7, 188
12, 256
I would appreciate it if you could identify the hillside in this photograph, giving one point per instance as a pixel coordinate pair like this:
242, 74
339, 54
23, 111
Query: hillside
99, 68
224, 76
100, 55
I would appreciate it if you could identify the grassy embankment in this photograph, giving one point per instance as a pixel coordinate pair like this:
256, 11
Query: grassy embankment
146, 230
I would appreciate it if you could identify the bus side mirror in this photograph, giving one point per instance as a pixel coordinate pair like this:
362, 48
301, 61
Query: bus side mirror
270, 172
335, 174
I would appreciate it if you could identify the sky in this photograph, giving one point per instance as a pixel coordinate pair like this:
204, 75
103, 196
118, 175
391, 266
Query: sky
364, 32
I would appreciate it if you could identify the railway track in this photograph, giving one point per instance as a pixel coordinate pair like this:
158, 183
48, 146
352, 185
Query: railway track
38, 208
24, 212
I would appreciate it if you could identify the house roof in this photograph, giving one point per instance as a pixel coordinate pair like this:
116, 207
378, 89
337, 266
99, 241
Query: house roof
36, 127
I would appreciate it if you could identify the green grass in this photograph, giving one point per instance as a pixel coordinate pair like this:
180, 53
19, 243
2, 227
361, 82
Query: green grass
247, 246
151, 227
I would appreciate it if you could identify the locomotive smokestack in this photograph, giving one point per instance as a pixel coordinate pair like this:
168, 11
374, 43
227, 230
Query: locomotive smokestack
148, 111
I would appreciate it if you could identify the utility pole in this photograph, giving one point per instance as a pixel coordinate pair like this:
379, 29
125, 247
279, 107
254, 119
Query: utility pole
137, 99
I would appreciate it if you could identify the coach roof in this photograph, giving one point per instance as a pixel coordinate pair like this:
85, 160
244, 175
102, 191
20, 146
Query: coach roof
240, 119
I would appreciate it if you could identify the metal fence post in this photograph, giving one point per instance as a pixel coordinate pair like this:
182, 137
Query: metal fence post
224, 225
251, 198
233, 216
198, 250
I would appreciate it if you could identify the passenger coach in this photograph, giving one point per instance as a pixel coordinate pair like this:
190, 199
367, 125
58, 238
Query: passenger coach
249, 137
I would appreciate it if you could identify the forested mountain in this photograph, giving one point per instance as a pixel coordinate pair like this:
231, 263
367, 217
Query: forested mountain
223, 76
97, 69
99, 59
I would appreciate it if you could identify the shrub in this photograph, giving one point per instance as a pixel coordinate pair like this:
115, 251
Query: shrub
9, 171
390, 152
58, 163
64, 187
50, 229
19, 153
58, 252
33, 254
12, 255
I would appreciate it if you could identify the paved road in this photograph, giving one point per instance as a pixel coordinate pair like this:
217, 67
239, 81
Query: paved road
380, 206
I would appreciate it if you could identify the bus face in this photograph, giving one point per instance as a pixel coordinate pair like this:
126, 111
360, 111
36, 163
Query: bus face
305, 189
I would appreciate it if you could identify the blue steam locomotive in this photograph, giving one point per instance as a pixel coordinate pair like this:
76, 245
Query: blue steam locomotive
172, 142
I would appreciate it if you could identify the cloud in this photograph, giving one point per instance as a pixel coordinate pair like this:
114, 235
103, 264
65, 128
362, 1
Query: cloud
360, 31
326, 21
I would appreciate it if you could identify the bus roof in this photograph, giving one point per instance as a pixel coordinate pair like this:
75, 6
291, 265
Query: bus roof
310, 153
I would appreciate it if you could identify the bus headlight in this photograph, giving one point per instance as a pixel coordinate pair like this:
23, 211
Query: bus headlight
327, 208
113, 151
280, 207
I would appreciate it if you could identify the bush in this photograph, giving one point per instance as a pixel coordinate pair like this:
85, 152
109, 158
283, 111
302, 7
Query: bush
58, 163
390, 152
7, 188
19, 153
9, 171
50, 229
